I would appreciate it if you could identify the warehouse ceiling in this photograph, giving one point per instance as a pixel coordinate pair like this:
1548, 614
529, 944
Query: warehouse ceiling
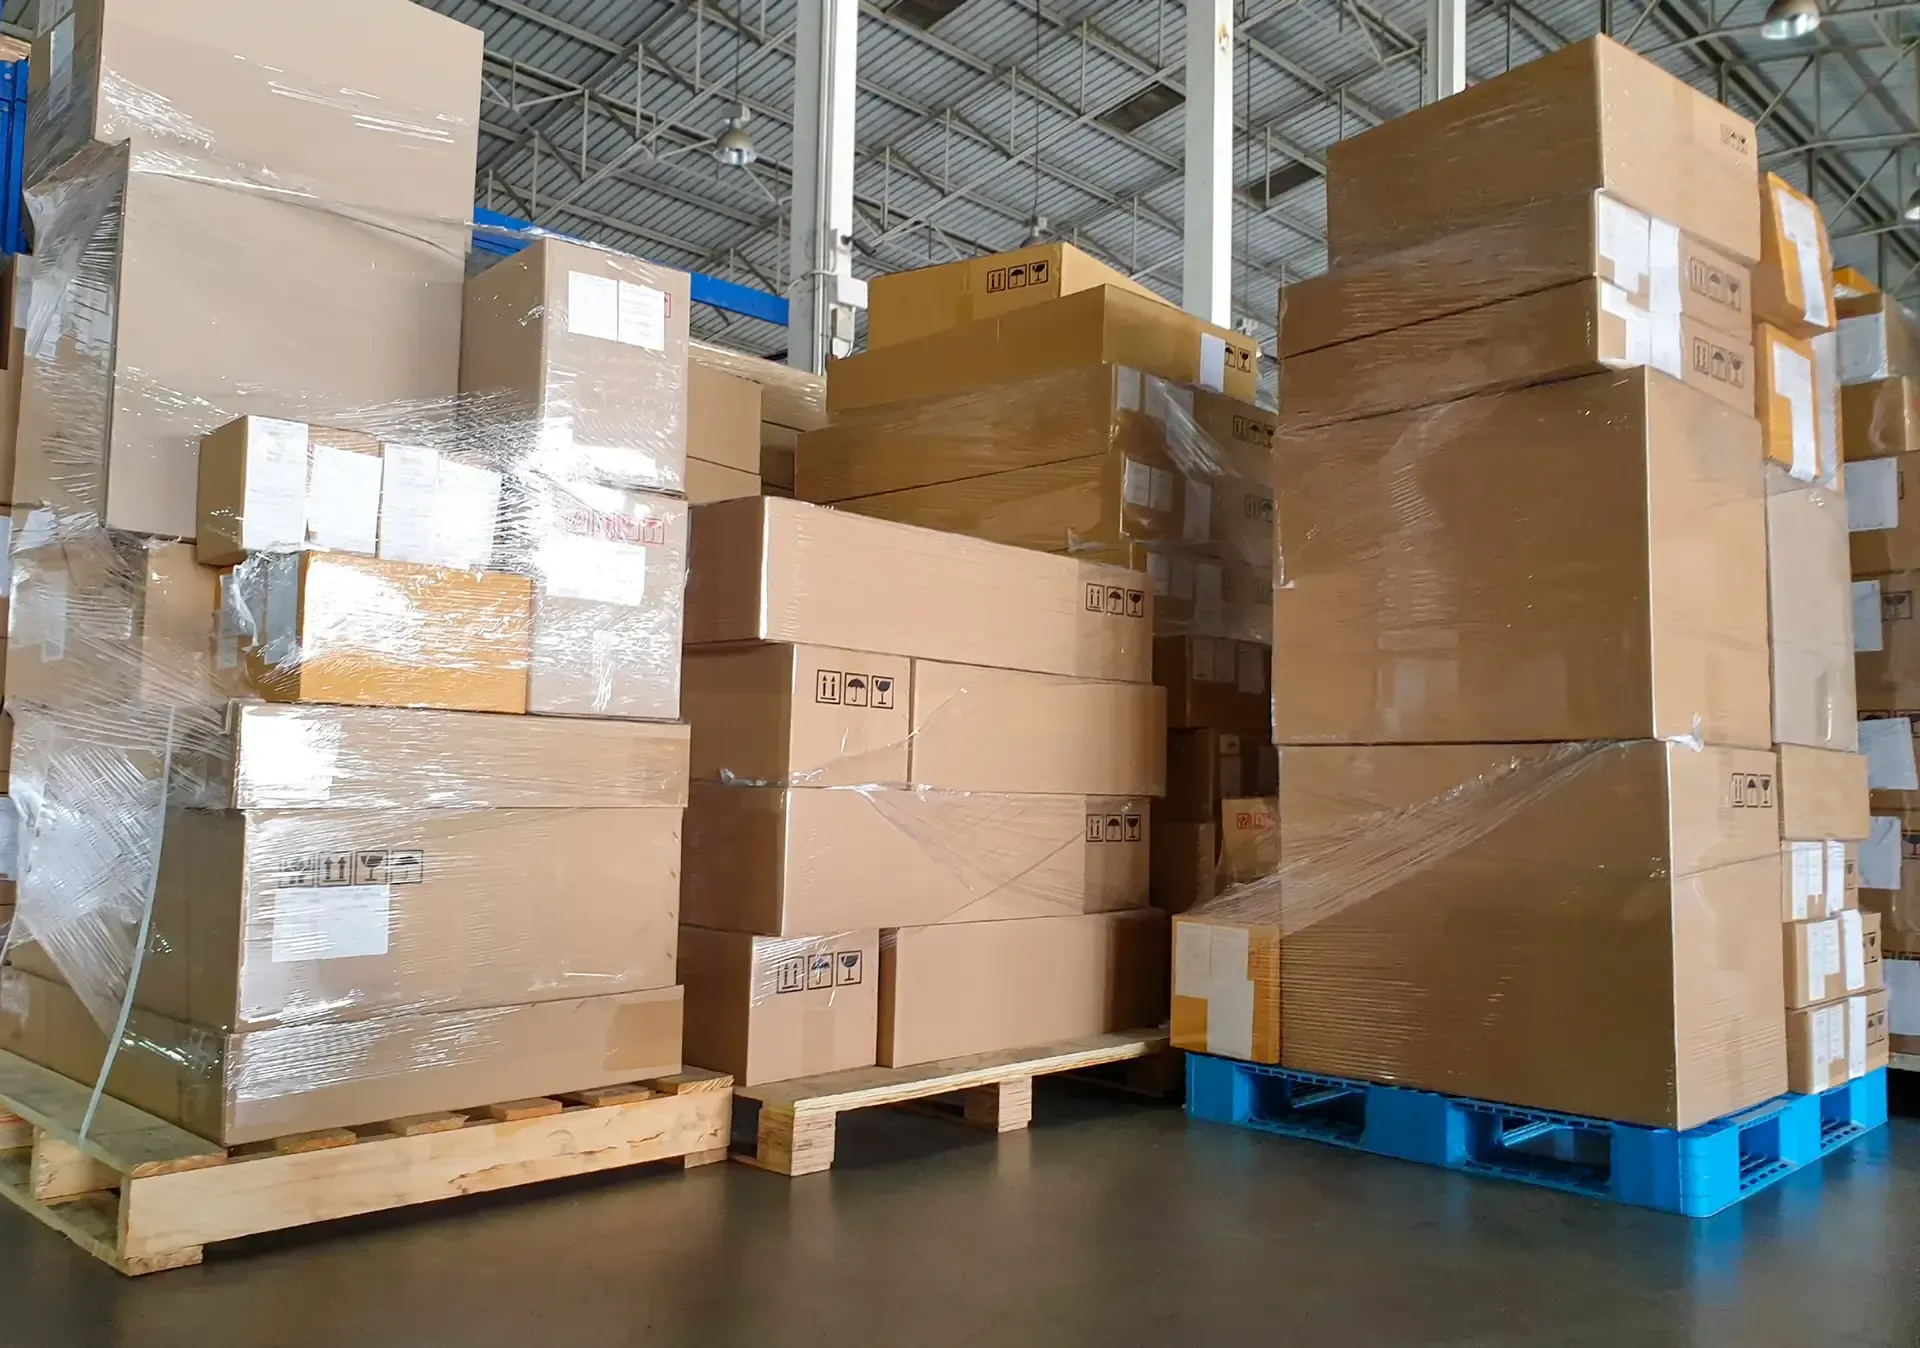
598, 119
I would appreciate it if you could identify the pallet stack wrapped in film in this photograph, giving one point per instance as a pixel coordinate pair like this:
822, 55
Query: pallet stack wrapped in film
1040, 399
1530, 840
347, 592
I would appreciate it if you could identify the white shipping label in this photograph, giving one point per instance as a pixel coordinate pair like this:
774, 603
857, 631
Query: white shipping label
6, 554
331, 922
1880, 854
9, 839
599, 570
1192, 959
1623, 240
1636, 332
1666, 348
467, 512
1873, 494
60, 64
1230, 998
1863, 349
1830, 1039
1252, 674
1126, 389
1853, 951
1823, 957
1197, 524
1903, 996
1793, 380
1887, 742
1664, 296
1213, 363
273, 511
1201, 652
1836, 880
1136, 483
1162, 498
1856, 1037
38, 530
1826, 403
1182, 579
343, 499
1158, 572
1868, 633
643, 316
39, 618
1809, 871
410, 481
593, 306
1801, 229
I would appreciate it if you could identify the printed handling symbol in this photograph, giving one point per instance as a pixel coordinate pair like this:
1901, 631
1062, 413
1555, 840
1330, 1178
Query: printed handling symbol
820, 970
849, 972
790, 975
854, 689
882, 693
826, 687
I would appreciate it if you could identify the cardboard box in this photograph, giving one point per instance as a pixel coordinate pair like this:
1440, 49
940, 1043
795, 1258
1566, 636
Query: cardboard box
1822, 794
1903, 1003
1571, 330
195, 287
723, 419
1538, 246
582, 352
1879, 339
1880, 418
1818, 1048
1783, 389
1849, 283
1890, 741
979, 987
767, 1008
1009, 731
905, 305
1824, 959
1793, 283
1207, 766
1103, 325
793, 862
239, 1088
1592, 116
770, 570
1871, 951
1577, 927
1886, 656
1249, 839
1809, 603
609, 573
711, 482
360, 631
1182, 864
1214, 682
798, 715
1879, 1048
779, 446
1883, 531
1588, 557
1226, 987
1203, 597
274, 88
1818, 879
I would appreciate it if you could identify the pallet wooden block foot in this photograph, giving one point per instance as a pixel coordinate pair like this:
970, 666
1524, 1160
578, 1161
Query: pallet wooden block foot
143, 1196
788, 1126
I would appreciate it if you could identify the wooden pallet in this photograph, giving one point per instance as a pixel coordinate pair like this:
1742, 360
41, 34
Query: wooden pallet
143, 1195
788, 1126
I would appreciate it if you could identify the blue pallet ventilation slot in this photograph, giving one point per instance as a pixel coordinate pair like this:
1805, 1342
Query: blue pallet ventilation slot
1696, 1173
504, 235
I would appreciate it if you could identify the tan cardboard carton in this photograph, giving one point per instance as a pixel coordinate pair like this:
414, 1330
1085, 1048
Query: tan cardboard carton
1809, 604
1226, 987
1590, 117
270, 483
1879, 1047
799, 715
1249, 839
1880, 418
803, 861
581, 353
904, 305
1215, 682
1589, 928
711, 482
723, 419
1818, 879
977, 987
767, 1008
771, 570
1791, 433
1571, 330
779, 447
1824, 959
1793, 282
1182, 864
1103, 325
1818, 1047
1886, 656
1879, 338
1871, 951
239, 1088
1822, 794
1587, 562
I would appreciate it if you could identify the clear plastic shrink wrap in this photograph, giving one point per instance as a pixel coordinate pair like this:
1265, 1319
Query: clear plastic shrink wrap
326, 902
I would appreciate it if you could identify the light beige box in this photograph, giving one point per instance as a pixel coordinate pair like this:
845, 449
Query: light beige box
771, 1008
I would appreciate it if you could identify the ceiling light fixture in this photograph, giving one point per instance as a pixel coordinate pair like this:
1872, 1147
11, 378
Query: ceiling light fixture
1037, 230
1790, 19
734, 147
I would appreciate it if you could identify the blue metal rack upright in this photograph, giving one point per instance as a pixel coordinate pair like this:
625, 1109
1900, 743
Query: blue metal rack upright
13, 150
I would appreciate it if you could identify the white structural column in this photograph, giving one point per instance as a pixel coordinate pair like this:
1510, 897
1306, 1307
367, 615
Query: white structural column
823, 294
1206, 288
1446, 49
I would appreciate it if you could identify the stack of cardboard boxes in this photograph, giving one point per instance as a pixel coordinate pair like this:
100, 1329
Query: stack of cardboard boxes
923, 767
1529, 818
790, 402
348, 610
1040, 399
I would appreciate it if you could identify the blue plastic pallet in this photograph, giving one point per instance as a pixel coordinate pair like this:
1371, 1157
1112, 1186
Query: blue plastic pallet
1696, 1173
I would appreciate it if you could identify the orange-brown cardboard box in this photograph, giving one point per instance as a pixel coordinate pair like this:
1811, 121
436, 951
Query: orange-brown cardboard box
1783, 402
772, 570
1182, 865
769, 1008
1793, 282
1249, 839
978, 987
908, 304
796, 862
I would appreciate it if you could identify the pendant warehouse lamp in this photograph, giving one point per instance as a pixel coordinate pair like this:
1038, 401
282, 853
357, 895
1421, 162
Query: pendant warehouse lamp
1789, 19
735, 147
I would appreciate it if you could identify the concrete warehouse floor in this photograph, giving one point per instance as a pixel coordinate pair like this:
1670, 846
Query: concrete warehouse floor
1112, 1223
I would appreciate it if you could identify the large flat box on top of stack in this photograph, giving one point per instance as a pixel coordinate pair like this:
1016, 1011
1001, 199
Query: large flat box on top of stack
582, 353
904, 305
781, 862
1576, 329
1106, 324
1590, 117
1539, 246
238, 1088
1577, 927
773, 570
1587, 560
1810, 612
978, 987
